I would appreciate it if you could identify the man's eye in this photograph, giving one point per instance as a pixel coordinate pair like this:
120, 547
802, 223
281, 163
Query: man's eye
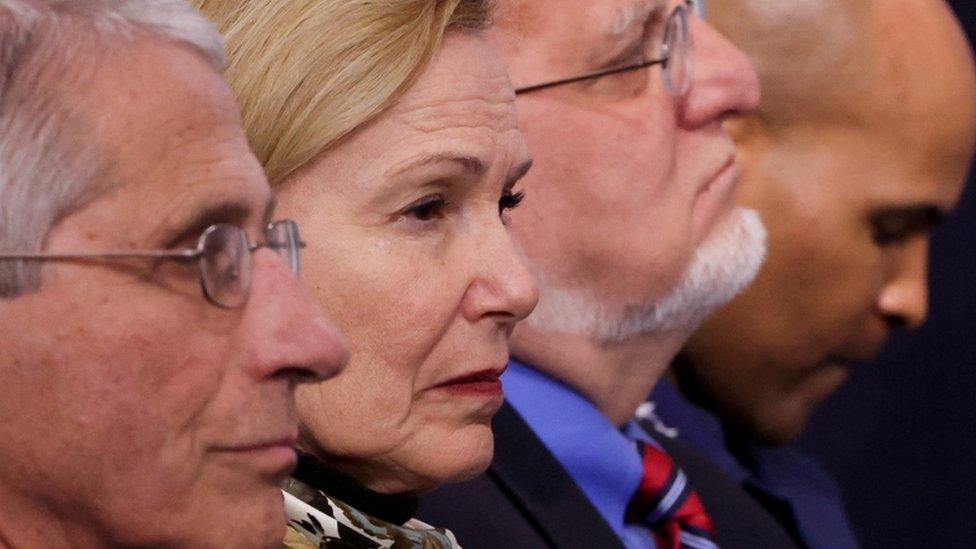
427, 208
896, 226
890, 230
624, 84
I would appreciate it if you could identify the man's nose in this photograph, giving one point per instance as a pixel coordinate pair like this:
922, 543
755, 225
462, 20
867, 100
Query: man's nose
284, 330
724, 82
904, 300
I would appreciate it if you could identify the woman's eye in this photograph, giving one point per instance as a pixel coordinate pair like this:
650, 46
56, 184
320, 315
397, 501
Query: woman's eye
427, 208
510, 201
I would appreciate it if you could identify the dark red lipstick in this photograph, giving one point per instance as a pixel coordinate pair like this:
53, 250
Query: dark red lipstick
484, 382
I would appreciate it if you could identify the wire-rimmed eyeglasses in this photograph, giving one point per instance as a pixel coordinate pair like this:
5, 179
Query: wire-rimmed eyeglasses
223, 254
675, 57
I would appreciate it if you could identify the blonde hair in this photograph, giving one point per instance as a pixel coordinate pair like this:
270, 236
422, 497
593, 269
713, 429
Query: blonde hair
308, 72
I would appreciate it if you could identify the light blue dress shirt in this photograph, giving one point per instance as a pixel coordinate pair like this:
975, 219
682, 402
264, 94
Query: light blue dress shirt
599, 457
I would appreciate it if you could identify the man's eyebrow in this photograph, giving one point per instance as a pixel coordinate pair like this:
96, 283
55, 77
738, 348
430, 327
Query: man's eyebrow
518, 173
626, 21
908, 219
932, 214
471, 164
234, 213
633, 14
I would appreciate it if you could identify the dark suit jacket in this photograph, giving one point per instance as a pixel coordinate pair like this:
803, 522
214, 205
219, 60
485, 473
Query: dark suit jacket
740, 521
527, 500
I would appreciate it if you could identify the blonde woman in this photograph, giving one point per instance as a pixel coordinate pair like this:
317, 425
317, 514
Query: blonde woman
389, 131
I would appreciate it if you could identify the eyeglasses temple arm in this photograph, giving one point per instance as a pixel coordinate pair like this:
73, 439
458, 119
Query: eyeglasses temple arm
272, 245
589, 75
120, 254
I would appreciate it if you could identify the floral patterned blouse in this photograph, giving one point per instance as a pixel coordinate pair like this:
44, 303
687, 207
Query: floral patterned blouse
320, 520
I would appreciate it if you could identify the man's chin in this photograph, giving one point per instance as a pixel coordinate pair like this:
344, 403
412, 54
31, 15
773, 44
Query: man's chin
722, 266
779, 428
267, 521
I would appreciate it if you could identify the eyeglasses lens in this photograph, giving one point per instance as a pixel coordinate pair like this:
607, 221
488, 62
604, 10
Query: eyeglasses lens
225, 265
677, 45
283, 237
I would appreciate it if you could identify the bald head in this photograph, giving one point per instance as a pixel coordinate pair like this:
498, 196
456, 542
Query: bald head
859, 147
798, 47
832, 59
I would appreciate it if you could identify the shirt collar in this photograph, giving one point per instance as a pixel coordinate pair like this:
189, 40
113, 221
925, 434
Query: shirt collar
697, 426
601, 460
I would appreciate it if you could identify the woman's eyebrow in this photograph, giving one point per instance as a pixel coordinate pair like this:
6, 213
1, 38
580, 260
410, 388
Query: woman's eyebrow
518, 173
470, 164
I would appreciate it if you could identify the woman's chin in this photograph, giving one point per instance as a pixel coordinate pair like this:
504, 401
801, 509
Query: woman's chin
467, 455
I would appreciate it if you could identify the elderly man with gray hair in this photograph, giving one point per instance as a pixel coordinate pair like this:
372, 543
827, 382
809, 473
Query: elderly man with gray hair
134, 408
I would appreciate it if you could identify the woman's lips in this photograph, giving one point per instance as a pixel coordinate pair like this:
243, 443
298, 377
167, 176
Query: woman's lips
484, 382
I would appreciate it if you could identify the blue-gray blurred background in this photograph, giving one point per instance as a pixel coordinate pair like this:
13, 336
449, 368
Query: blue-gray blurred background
900, 437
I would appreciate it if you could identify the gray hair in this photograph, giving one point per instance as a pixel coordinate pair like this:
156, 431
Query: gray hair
48, 165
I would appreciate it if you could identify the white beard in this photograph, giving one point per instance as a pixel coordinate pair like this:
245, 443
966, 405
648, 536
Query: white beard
725, 263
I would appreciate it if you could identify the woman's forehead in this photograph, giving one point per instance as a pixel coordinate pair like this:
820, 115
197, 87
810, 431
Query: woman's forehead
466, 85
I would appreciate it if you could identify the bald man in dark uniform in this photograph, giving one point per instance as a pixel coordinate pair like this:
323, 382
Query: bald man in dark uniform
859, 148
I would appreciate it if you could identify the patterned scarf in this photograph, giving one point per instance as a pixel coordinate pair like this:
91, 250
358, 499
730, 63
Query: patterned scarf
318, 520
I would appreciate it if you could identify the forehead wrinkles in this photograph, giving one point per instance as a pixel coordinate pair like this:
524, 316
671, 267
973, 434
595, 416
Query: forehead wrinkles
492, 107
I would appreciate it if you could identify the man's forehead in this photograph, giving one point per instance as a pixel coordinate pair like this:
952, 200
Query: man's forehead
602, 18
170, 125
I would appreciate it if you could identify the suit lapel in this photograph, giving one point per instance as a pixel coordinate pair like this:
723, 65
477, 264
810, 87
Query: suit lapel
537, 483
740, 521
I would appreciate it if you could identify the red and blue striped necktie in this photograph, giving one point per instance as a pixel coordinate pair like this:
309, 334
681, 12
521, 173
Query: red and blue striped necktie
667, 504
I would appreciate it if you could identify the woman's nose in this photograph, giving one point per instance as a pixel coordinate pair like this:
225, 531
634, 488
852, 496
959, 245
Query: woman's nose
503, 287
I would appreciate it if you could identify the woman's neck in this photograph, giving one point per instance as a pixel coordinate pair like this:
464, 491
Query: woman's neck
317, 473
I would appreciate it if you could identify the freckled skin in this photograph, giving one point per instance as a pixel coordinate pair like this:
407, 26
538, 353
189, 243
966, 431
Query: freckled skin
421, 300
120, 382
817, 166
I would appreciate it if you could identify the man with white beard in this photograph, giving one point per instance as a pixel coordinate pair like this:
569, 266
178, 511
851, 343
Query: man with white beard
631, 227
